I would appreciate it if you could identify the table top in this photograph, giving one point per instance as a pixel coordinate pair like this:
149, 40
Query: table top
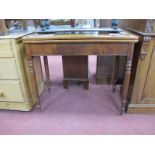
151, 34
55, 29
122, 36
16, 35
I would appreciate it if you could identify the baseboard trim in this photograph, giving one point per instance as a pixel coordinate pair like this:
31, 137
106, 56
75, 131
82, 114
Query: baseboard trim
141, 109
16, 106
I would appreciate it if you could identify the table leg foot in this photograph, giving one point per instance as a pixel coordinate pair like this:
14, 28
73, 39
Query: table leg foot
113, 88
78, 83
49, 87
86, 85
124, 107
65, 83
122, 110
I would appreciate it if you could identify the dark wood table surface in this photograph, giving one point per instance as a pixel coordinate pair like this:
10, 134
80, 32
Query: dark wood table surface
118, 44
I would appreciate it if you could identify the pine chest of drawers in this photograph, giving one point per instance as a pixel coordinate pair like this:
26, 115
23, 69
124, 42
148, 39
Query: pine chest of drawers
14, 91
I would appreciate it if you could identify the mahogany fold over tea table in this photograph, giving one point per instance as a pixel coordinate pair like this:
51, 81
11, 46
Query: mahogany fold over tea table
121, 44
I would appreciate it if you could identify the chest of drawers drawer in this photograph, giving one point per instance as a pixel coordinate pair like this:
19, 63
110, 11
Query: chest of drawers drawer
11, 91
5, 49
8, 69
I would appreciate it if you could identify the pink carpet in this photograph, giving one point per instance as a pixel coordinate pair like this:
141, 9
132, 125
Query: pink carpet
76, 111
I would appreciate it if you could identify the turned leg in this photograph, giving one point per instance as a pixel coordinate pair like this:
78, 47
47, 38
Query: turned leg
65, 83
33, 82
115, 73
47, 73
29, 62
127, 78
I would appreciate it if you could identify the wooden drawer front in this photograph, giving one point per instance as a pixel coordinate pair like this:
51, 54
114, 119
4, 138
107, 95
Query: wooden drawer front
8, 68
5, 48
79, 49
10, 90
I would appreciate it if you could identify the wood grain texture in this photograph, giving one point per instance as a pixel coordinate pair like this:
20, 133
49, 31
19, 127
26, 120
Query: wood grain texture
105, 69
32, 75
13, 78
47, 72
78, 73
56, 38
141, 110
80, 45
142, 81
8, 69
16, 105
127, 77
150, 85
75, 68
69, 49
141, 73
6, 49
11, 91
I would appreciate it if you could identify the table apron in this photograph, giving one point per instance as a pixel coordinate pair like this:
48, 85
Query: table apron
38, 49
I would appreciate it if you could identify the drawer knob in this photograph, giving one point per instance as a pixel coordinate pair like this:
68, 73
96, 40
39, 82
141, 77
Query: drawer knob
1, 94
